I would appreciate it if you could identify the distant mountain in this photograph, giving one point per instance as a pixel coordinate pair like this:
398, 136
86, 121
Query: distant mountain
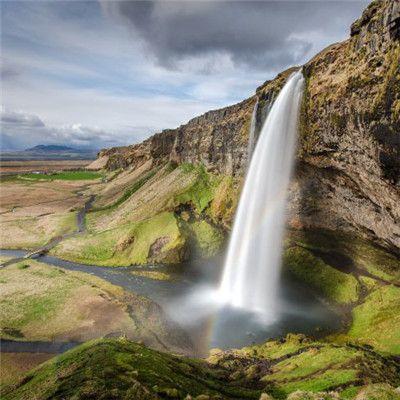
49, 152
53, 147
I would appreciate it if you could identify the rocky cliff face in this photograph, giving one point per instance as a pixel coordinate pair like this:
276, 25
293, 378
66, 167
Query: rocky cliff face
348, 172
349, 155
217, 139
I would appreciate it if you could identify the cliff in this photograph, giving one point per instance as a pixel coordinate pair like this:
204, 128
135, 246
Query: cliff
349, 151
216, 139
348, 172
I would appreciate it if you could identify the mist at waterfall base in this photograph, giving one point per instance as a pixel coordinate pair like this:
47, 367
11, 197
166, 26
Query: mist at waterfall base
253, 302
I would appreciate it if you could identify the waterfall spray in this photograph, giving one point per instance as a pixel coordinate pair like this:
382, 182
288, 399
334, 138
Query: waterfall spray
252, 267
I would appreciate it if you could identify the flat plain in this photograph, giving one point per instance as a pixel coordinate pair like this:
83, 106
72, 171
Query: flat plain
8, 167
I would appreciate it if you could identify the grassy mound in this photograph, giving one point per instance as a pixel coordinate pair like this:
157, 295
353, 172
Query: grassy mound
120, 369
157, 239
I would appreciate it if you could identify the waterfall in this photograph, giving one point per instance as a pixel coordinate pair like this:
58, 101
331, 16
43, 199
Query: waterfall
252, 266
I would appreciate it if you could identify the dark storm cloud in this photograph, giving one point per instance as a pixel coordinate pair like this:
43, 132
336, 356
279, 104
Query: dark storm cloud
261, 34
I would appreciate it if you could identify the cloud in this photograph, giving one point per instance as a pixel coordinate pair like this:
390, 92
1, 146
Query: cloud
258, 34
112, 73
20, 130
21, 119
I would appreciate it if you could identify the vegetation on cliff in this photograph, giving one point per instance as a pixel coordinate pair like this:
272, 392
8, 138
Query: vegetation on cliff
165, 215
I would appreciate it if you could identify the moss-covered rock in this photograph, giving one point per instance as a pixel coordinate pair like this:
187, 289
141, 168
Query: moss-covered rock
208, 238
333, 284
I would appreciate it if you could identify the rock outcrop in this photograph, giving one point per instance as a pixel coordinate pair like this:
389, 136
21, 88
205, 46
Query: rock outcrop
348, 172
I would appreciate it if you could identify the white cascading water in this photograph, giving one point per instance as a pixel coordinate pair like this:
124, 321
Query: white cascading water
252, 267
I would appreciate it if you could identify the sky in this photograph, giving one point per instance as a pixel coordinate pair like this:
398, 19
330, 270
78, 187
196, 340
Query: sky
96, 74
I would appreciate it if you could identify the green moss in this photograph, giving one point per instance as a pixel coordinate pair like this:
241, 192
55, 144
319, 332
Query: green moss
201, 191
127, 244
334, 285
377, 320
349, 393
208, 239
368, 283
119, 369
365, 255
299, 363
274, 349
329, 379
309, 362
224, 202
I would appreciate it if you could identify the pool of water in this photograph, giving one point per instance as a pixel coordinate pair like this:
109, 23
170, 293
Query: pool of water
188, 300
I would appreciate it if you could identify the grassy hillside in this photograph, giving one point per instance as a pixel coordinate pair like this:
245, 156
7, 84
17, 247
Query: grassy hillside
119, 369
155, 215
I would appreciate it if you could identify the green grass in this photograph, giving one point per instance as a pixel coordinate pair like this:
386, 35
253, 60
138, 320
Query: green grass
34, 296
201, 192
365, 255
128, 244
300, 363
119, 369
329, 379
129, 192
63, 175
336, 286
276, 349
310, 362
377, 321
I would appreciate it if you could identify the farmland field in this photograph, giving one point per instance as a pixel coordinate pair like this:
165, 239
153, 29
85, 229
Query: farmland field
22, 167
